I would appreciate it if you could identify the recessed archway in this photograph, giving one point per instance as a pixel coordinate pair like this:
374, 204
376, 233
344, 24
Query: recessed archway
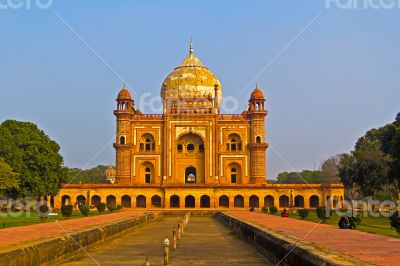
299, 201
111, 200
269, 201
174, 201
156, 201
80, 200
238, 201
204, 201
141, 201
191, 154
65, 200
314, 201
190, 175
234, 173
190, 202
254, 201
284, 201
96, 200
335, 202
126, 201
223, 201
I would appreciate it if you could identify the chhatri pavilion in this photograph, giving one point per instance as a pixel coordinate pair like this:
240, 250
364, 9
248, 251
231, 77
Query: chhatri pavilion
191, 155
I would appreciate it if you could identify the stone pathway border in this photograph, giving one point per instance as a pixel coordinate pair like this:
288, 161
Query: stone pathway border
22, 234
371, 248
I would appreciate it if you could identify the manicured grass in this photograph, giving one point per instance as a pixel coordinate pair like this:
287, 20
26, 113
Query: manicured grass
26, 218
374, 225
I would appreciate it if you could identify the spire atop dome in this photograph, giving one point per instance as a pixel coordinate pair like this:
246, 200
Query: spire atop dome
191, 47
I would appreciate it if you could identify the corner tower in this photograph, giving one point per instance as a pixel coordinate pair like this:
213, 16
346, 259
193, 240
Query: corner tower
257, 146
124, 138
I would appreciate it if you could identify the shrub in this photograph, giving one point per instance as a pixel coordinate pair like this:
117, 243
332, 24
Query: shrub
111, 208
84, 210
43, 211
101, 207
66, 210
355, 221
273, 209
264, 209
303, 213
323, 213
119, 206
395, 221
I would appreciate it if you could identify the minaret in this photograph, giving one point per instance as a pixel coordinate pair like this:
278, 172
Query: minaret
256, 114
124, 136
216, 98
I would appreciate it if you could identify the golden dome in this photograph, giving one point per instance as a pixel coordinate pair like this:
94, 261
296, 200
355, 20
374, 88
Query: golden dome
124, 93
257, 93
191, 79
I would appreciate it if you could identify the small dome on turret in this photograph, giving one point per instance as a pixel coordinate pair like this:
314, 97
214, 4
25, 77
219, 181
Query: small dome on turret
124, 93
257, 94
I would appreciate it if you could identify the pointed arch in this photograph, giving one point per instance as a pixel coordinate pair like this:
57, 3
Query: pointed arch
254, 201
238, 201
299, 201
284, 201
223, 201
126, 201
269, 201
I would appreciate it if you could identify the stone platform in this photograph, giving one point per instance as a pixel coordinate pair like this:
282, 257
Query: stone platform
370, 248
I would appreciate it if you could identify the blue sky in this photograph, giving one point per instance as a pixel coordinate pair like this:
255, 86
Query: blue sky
337, 80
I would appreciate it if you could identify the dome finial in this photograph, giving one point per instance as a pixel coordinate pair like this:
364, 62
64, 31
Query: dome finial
190, 47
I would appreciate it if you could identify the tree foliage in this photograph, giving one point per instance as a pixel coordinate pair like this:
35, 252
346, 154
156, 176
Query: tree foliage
34, 156
8, 178
328, 174
94, 175
367, 166
374, 164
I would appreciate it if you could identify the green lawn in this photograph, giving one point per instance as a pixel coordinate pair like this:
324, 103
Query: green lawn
25, 218
374, 225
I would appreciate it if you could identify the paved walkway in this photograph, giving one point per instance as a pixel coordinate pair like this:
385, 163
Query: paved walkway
22, 234
205, 242
375, 249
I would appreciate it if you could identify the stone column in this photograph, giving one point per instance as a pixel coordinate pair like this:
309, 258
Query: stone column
231, 201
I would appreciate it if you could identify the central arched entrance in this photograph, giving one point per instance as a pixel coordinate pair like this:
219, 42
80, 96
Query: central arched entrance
189, 158
190, 175
190, 202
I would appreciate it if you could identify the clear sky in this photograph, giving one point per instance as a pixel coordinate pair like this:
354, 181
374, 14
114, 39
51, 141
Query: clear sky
339, 78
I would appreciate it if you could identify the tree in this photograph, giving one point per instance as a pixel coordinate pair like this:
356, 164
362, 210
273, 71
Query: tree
328, 174
8, 178
367, 166
303, 177
329, 168
94, 175
34, 156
